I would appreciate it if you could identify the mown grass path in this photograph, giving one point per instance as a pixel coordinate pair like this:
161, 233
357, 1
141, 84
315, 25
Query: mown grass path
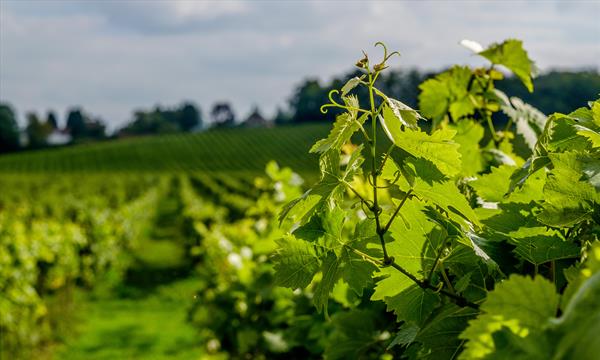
146, 316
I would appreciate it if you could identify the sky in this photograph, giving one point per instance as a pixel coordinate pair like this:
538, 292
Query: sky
112, 57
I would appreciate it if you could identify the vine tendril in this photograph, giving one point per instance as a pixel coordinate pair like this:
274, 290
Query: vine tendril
333, 103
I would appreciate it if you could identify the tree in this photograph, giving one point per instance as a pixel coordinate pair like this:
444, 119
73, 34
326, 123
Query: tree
556, 91
189, 117
9, 131
51, 120
282, 117
76, 123
37, 132
95, 129
222, 115
306, 102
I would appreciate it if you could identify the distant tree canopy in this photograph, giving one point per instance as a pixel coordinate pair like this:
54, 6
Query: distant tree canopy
9, 130
282, 117
82, 126
307, 100
222, 115
189, 118
76, 123
185, 117
51, 120
37, 131
556, 91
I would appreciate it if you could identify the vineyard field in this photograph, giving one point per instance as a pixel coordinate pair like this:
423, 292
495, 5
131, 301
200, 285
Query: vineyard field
230, 150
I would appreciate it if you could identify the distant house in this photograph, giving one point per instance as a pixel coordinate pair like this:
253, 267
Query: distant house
255, 119
58, 137
23, 138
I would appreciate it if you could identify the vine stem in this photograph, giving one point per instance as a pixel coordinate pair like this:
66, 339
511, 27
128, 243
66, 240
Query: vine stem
374, 171
486, 113
389, 223
357, 193
446, 279
459, 300
423, 284
376, 210
387, 155
435, 264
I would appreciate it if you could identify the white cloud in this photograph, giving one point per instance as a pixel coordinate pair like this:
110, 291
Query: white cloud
190, 9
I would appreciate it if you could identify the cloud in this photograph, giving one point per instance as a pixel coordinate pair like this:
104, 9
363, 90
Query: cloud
111, 57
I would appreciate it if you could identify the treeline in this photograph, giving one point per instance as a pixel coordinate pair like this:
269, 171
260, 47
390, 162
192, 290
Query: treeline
41, 132
555, 91
80, 126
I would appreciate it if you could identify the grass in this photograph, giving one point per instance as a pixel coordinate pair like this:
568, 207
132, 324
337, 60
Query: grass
151, 327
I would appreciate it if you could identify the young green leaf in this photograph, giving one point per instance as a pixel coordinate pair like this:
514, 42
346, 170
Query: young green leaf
397, 114
350, 84
530, 122
511, 55
331, 185
437, 147
440, 93
344, 127
468, 135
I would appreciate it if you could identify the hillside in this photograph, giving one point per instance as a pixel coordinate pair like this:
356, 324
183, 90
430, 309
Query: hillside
229, 150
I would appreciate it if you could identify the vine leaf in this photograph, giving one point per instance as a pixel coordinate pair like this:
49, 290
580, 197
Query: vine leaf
327, 251
447, 93
530, 122
569, 198
439, 337
411, 248
429, 184
354, 334
413, 305
468, 135
331, 271
539, 245
397, 114
330, 186
521, 304
494, 186
350, 84
405, 336
437, 147
474, 46
571, 336
562, 133
345, 126
589, 123
296, 263
511, 55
